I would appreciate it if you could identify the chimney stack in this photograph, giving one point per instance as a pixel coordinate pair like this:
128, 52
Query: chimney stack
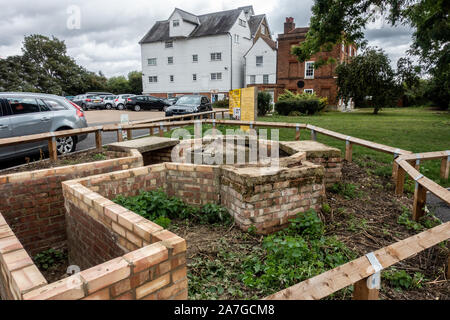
289, 25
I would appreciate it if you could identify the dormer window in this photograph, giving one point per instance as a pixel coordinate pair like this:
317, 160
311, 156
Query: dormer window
242, 23
176, 23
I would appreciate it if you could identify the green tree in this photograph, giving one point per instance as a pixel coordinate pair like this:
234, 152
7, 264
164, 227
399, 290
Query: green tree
135, 82
264, 103
336, 21
118, 85
368, 75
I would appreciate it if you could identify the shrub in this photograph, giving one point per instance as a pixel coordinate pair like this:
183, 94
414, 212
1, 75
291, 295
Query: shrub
221, 104
264, 103
46, 259
400, 279
303, 103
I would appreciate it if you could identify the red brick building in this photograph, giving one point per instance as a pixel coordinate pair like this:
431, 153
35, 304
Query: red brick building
292, 74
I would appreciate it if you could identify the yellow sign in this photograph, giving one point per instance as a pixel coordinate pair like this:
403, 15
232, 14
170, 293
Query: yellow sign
249, 98
235, 100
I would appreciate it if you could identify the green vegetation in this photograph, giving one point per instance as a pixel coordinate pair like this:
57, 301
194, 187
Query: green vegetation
158, 207
264, 103
221, 104
99, 157
347, 190
426, 222
400, 279
290, 103
294, 254
47, 259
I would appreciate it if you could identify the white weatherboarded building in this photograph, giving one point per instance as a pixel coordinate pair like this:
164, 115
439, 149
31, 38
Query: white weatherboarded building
261, 62
204, 54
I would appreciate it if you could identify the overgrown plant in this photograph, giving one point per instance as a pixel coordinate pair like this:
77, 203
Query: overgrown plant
47, 259
160, 208
295, 254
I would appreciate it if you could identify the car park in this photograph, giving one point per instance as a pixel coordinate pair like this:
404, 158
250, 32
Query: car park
189, 104
89, 101
138, 103
120, 101
24, 114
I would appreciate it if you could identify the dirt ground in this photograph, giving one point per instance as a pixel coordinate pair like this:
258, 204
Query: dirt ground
71, 159
365, 223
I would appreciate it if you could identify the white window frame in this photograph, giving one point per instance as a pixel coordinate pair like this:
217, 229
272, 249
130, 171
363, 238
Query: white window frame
343, 47
194, 77
310, 91
168, 60
307, 63
259, 64
252, 79
175, 23
195, 60
266, 76
152, 59
216, 56
169, 44
236, 38
153, 79
263, 29
242, 23
216, 76
171, 78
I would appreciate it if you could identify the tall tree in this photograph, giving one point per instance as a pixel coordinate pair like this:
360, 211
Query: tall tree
368, 75
334, 21
135, 82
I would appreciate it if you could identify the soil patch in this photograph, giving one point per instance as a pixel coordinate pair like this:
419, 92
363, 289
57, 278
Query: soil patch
71, 159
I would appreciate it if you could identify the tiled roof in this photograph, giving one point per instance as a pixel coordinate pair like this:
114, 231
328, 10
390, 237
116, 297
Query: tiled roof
209, 24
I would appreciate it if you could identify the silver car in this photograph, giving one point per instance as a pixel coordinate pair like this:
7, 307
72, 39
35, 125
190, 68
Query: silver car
89, 101
23, 114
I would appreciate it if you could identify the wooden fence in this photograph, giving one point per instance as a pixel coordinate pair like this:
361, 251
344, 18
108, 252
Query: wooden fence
356, 272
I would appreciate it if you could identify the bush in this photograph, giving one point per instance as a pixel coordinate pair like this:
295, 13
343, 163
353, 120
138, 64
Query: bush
222, 104
303, 103
264, 103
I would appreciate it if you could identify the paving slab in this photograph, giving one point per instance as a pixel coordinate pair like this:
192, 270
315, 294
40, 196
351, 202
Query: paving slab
144, 145
312, 148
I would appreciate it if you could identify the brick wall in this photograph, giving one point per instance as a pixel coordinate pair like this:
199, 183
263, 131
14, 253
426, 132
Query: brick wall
18, 274
157, 156
194, 184
267, 202
33, 204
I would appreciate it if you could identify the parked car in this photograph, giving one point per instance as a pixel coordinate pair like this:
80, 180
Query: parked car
89, 101
138, 103
23, 114
172, 100
70, 97
100, 93
108, 101
189, 104
120, 101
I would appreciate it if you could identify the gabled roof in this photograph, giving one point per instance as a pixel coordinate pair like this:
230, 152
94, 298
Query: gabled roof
208, 24
272, 44
186, 16
254, 22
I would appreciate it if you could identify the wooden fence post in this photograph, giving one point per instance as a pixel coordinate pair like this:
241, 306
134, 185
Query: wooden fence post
362, 292
129, 134
400, 180
297, 132
98, 140
445, 166
348, 150
119, 135
152, 131
420, 197
53, 153
161, 130
223, 115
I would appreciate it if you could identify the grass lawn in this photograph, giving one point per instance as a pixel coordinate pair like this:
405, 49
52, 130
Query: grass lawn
415, 129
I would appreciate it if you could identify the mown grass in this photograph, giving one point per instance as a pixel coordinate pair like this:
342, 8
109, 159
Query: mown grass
416, 129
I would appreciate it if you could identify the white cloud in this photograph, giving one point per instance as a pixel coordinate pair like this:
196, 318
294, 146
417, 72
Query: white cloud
111, 29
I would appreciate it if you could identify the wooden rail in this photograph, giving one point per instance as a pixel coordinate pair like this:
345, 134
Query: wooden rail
357, 271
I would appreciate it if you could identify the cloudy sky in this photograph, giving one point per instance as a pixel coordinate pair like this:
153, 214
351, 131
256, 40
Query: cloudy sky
109, 30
